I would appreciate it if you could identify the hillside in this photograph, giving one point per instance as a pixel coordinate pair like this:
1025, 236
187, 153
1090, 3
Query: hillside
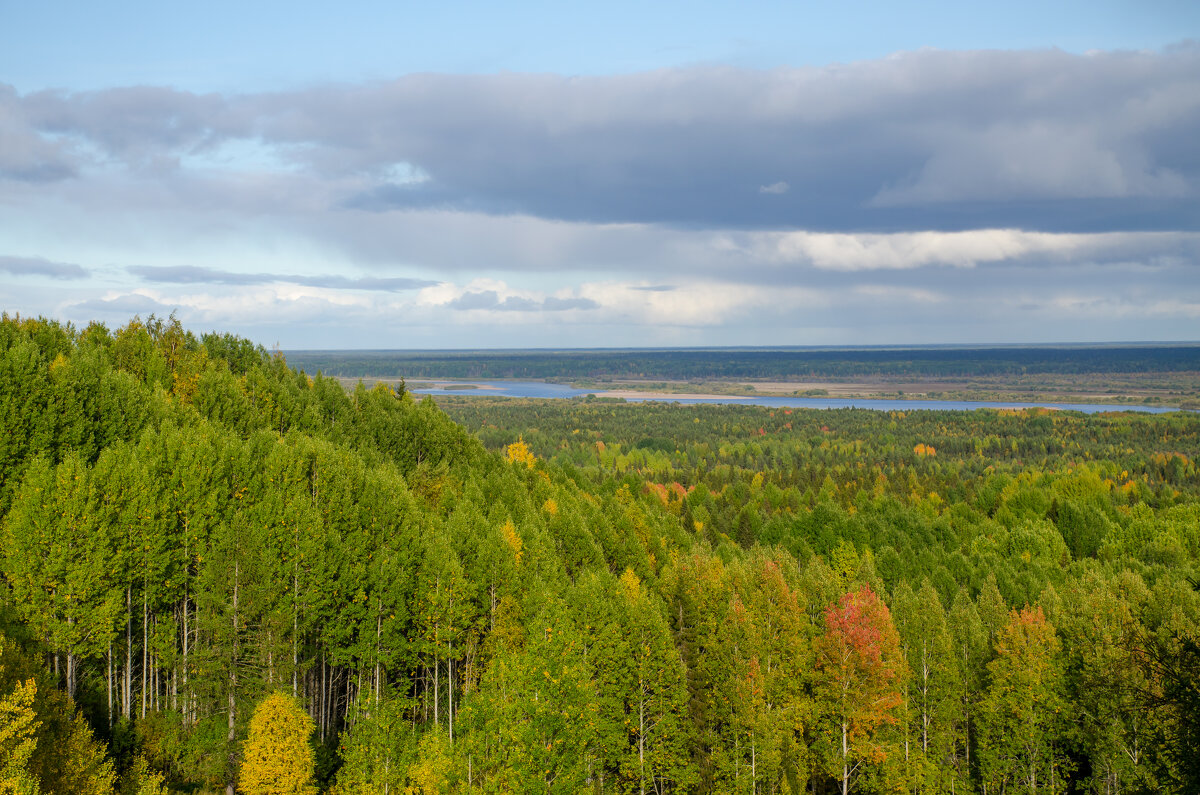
529, 596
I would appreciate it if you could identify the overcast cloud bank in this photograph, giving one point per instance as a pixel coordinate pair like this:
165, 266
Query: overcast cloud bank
1064, 188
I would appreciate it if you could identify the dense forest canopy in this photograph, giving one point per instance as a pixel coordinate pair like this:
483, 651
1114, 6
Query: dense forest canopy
219, 570
752, 363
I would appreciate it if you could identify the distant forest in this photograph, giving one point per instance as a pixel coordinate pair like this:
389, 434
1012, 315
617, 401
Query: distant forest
785, 363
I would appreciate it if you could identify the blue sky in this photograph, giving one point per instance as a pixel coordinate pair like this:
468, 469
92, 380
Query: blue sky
393, 175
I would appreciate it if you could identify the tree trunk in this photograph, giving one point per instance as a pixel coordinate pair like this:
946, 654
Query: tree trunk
845, 760
232, 734
186, 611
378, 635
145, 648
295, 629
110, 684
127, 696
924, 698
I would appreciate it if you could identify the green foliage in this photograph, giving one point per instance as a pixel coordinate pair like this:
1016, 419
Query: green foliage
660, 598
140, 779
1021, 718
45, 746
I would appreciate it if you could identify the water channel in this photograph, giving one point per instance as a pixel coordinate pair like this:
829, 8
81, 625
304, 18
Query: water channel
542, 389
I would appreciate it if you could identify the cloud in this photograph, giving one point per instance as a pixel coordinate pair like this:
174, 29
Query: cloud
484, 299
27, 153
125, 305
1006, 195
490, 300
553, 304
187, 274
1021, 303
37, 266
927, 140
907, 250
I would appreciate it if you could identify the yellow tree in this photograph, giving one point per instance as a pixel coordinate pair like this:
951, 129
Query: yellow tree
277, 758
18, 739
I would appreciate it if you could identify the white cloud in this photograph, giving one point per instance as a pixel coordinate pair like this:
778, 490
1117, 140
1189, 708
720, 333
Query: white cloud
909, 250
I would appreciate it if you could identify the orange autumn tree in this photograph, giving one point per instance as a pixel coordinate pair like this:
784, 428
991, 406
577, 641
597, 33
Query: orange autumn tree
859, 670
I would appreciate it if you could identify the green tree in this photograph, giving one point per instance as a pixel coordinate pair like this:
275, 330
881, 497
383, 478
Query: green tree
141, 779
1021, 715
935, 686
641, 691
379, 749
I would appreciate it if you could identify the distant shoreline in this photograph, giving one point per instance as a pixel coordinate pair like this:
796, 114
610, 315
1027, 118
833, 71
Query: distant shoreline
1159, 375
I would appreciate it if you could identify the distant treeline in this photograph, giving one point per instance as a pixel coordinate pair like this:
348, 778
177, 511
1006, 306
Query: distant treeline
752, 364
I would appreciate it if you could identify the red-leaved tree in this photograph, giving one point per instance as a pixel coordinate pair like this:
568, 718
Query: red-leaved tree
859, 667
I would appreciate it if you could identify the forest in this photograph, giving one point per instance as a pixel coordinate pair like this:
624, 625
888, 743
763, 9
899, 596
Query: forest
755, 363
221, 573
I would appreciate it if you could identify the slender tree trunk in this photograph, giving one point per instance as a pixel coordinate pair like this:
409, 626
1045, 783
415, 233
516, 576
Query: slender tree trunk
924, 699
71, 674
186, 611
753, 766
187, 566
128, 695
232, 734
378, 635
110, 684
642, 740
295, 628
321, 697
845, 760
145, 647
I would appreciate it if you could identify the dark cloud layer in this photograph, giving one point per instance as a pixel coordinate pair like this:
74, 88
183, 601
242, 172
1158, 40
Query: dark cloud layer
1040, 140
36, 266
185, 274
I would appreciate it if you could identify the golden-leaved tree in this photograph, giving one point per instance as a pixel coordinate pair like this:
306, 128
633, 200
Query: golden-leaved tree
277, 758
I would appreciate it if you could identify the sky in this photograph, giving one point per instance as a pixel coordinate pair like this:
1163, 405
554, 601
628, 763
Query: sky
532, 174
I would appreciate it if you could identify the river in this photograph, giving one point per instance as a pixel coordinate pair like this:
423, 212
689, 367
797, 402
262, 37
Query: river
542, 389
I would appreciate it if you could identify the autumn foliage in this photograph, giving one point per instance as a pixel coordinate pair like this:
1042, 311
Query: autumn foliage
859, 665
519, 453
277, 758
